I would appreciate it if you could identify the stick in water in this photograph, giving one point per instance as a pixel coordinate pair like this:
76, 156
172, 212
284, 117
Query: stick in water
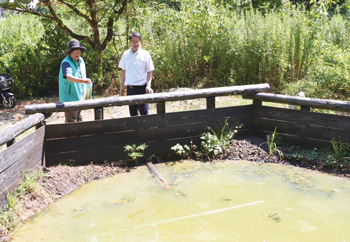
196, 215
157, 174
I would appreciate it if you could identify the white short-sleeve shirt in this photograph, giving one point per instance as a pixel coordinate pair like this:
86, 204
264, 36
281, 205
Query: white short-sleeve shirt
136, 66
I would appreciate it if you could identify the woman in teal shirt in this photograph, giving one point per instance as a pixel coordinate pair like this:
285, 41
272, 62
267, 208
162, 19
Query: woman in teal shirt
73, 84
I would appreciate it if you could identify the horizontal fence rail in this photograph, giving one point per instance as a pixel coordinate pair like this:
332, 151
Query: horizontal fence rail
25, 155
208, 93
302, 101
9, 134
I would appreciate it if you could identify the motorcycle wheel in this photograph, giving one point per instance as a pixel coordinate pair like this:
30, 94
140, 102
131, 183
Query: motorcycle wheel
9, 102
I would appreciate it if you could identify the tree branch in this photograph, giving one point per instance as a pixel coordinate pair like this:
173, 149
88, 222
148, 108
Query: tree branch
62, 26
110, 22
76, 11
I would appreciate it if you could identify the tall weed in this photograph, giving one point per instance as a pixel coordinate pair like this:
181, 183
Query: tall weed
195, 44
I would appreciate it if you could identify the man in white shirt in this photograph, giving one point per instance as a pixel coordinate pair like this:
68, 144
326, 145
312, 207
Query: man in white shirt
137, 66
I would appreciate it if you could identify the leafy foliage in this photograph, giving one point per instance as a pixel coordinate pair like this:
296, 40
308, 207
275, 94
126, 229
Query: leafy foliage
186, 151
271, 143
331, 75
339, 157
215, 142
8, 211
135, 151
95, 18
212, 144
192, 43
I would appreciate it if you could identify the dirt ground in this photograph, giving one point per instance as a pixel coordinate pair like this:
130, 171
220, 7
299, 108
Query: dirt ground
61, 180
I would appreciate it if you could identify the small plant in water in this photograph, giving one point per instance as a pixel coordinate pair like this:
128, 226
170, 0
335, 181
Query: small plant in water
185, 151
215, 142
271, 143
135, 151
340, 157
212, 143
275, 217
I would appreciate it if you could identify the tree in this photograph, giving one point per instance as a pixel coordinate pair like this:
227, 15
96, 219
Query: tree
97, 15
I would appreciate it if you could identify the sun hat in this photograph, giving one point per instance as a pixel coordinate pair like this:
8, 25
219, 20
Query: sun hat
75, 44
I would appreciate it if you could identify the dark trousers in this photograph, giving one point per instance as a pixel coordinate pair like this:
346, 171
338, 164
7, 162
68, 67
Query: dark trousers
139, 109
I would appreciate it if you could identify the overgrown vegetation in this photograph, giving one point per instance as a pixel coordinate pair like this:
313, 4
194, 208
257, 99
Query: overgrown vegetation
197, 44
340, 157
9, 209
135, 152
336, 158
271, 141
212, 144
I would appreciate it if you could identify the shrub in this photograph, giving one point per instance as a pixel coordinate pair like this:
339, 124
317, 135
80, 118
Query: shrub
331, 74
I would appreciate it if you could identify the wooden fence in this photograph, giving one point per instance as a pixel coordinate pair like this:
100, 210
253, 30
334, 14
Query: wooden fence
101, 140
24, 155
301, 127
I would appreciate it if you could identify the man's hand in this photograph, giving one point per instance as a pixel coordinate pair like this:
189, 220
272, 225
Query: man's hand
149, 89
122, 88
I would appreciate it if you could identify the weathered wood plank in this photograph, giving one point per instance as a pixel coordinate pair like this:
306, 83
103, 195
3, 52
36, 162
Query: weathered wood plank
302, 127
22, 148
300, 101
303, 130
320, 119
12, 177
146, 98
106, 146
296, 140
115, 153
22, 156
144, 122
126, 137
15, 130
102, 126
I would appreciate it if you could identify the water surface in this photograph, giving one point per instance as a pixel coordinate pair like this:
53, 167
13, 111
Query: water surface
213, 201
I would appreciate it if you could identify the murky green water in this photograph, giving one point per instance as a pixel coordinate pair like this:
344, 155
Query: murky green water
219, 201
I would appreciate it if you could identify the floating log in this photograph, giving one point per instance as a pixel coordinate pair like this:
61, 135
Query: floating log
157, 174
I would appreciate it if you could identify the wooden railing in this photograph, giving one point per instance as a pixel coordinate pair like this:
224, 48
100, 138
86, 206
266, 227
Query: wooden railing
159, 98
8, 135
304, 103
23, 155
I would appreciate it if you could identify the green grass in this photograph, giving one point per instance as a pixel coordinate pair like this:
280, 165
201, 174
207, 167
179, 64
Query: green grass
9, 210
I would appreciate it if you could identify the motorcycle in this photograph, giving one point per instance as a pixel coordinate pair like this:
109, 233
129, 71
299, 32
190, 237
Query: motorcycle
6, 82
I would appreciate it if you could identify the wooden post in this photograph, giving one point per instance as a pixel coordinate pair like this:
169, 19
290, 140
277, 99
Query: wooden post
161, 107
210, 102
305, 108
11, 142
47, 114
37, 126
98, 113
257, 102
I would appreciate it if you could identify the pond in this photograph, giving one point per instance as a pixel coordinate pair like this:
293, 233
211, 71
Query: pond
212, 201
